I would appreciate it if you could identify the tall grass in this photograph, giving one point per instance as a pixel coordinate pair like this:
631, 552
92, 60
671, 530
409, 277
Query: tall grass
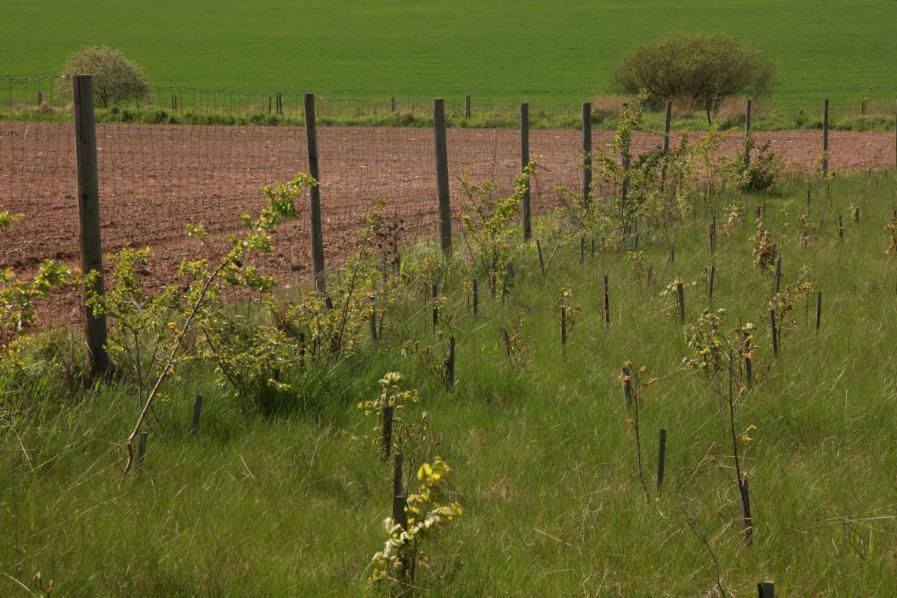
543, 457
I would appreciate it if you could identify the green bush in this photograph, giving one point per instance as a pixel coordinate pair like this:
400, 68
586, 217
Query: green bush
701, 69
115, 78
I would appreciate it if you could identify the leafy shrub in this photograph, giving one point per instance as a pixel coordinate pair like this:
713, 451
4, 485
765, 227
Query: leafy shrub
700, 68
115, 78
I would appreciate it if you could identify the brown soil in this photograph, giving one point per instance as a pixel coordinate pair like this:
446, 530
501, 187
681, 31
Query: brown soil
155, 179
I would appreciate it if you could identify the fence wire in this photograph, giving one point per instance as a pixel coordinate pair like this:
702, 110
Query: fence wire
155, 179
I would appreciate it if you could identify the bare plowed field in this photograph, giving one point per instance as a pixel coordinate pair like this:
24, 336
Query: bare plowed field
155, 179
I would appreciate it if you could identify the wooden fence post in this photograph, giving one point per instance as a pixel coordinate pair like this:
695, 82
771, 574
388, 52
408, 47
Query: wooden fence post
467, 107
89, 215
825, 138
314, 196
434, 305
586, 152
747, 132
524, 160
766, 589
442, 178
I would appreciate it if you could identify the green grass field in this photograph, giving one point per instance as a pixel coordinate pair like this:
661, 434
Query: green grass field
553, 54
544, 458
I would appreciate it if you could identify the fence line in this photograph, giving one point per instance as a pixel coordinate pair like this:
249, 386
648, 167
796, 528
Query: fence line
155, 179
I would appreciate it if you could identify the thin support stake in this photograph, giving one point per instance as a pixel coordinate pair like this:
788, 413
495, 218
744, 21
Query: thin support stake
197, 413
661, 458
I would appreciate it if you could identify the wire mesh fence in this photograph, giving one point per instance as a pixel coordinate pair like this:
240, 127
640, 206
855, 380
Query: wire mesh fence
155, 179
49, 97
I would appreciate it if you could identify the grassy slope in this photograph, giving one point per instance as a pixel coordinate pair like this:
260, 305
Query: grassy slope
544, 460
547, 52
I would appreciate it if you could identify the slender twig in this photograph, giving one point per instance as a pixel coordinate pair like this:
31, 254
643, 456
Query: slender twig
170, 362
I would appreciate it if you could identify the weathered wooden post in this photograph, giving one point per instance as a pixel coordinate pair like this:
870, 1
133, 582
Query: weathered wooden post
586, 152
524, 160
314, 196
467, 107
89, 215
747, 132
766, 589
442, 178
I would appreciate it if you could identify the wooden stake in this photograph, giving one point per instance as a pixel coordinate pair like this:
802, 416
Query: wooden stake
197, 413
627, 386
386, 437
606, 303
91, 244
450, 365
541, 260
399, 502
563, 327
818, 310
775, 332
434, 296
475, 287
661, 458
